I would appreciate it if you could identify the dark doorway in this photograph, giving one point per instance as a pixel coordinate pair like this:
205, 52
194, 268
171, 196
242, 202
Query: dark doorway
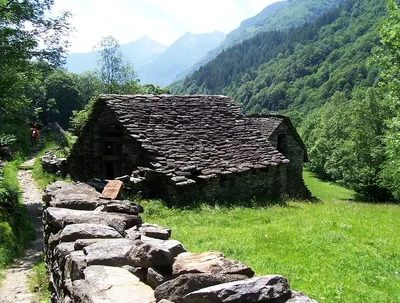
112, 156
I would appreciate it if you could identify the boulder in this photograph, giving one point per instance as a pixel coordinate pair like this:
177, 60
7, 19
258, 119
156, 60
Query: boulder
139, 272
298, 297
133, 233
115, 252
124, 207
75, 264
80, 244
155, 231
258, 289
82, 292
111, 284
136, 253
87, 231
97, 184
209, 262
173, 246
58, 218
148, 254
62, 250
176, 289
73, 196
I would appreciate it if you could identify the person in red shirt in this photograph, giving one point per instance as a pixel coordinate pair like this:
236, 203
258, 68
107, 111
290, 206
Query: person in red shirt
34, 136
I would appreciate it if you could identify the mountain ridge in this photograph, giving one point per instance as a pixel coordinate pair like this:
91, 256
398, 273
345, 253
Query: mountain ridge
276, 16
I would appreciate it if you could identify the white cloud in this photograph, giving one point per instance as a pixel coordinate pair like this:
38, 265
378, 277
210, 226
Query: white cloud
161, 20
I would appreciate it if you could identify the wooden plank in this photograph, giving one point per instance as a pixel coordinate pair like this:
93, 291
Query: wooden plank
112, 190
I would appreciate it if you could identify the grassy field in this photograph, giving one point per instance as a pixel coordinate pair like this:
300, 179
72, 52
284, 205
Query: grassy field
335, 250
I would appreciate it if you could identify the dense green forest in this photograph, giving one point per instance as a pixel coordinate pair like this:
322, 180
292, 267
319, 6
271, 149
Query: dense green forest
329, 77
276, 16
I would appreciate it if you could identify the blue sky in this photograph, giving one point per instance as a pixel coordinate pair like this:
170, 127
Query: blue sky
161, 20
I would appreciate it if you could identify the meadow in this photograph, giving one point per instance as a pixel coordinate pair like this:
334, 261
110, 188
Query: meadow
334, 249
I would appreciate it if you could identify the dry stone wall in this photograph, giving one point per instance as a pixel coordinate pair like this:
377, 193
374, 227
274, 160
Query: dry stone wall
100, 251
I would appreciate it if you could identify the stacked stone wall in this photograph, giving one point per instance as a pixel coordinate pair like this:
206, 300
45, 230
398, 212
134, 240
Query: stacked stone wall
295, 153
100, 251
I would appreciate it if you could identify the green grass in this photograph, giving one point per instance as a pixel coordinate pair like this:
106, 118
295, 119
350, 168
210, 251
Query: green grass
336, 250
39, 281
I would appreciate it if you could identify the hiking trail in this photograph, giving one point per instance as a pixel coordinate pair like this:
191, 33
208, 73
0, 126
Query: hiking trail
14, 287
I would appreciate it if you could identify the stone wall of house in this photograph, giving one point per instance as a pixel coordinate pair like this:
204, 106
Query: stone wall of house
269, 182
100, 251
86, 159
290, 147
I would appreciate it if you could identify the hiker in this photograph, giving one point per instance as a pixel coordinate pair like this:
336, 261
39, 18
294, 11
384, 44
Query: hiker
34, 136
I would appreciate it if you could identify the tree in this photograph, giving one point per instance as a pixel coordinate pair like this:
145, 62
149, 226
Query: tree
89, 85
27, 34
115, 71
388, 57
62, 97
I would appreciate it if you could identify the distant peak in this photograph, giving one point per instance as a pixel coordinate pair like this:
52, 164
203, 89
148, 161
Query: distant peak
144, 38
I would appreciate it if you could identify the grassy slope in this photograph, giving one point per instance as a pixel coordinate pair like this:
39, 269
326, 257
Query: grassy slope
335, 250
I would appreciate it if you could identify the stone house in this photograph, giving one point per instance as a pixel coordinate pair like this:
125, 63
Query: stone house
189, 148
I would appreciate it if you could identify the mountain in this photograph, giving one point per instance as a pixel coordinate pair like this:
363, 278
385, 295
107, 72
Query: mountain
143, 51
140, 52
182, 54
300, 68
81, 62
276, 16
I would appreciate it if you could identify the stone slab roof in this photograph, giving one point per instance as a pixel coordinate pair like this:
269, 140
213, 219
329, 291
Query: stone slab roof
268, 124
193, 137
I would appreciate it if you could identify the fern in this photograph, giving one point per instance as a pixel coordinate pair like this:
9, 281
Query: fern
7, 140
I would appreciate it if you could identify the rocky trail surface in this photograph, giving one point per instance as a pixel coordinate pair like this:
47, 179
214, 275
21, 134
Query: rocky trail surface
14, 287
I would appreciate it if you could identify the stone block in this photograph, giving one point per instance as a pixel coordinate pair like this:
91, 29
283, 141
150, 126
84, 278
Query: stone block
209, 262
58, 218
112, 190
258, 289
74, 232
177, 288
112, 285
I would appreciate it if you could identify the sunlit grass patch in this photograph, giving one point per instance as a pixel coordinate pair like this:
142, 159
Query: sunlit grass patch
335, 250
39, 281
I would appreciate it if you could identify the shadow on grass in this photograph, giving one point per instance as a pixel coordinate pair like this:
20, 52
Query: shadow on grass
255, 202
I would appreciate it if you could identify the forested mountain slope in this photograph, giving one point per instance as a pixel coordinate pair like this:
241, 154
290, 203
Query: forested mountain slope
276, 16
298, 68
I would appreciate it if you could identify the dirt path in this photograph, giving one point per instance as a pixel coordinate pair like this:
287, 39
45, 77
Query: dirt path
14, 288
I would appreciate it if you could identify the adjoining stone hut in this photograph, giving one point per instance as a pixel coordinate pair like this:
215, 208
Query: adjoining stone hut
187, 148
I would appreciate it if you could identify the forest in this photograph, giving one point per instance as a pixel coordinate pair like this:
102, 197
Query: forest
334, 78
